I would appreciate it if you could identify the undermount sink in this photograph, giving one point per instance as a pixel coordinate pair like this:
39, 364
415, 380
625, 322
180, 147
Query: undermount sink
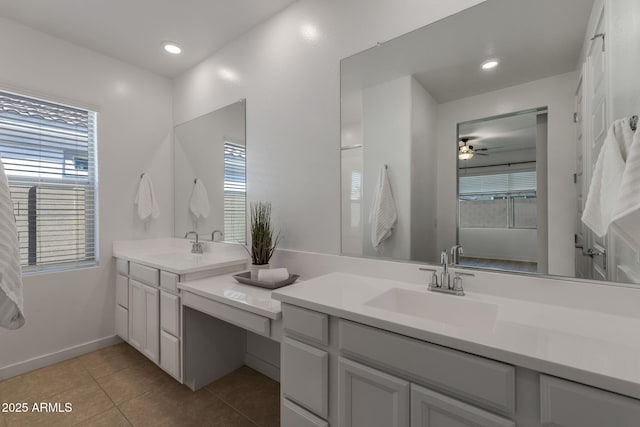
447, 309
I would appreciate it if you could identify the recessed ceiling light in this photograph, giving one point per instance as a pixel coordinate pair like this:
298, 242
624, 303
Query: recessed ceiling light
492, 63
172, 48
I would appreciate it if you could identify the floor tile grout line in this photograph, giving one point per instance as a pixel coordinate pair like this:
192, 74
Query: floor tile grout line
233, 407
115, 405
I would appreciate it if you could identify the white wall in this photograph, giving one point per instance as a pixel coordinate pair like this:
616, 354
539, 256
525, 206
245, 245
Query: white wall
67, 309
424, 174
556, 93
387, 141
291, 84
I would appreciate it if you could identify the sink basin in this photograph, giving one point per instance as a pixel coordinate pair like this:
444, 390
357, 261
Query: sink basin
447, 309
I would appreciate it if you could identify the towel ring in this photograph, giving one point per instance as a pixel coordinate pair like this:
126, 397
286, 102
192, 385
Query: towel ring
633, 122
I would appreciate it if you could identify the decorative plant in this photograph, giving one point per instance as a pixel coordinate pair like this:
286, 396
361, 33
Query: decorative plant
263, 242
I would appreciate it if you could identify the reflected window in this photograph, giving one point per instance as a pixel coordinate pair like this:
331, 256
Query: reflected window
235, 192
505, 200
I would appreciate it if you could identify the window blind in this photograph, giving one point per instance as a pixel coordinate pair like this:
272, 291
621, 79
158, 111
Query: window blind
498, 183
49, 155
235, 192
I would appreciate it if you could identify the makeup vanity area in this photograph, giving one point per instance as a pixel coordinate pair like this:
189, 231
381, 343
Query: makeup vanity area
361, 341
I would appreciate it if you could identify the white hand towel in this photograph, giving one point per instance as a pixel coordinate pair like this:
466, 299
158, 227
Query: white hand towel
604, 190
273, 275
383, 214
199, 204
626, 216
11, 303
146, 199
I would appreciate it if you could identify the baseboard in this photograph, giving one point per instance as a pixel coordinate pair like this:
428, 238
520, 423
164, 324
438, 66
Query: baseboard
58, 356
265, 368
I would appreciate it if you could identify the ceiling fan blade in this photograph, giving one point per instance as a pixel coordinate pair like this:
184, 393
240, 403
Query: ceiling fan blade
480, 154
488, 148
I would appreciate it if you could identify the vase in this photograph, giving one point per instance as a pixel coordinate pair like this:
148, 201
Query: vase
255, 268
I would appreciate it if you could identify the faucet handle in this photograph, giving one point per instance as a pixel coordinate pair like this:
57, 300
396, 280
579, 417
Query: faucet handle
462, 273
434, 276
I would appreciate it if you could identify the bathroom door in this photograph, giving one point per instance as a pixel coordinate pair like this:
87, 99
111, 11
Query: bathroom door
582, 262
597, 120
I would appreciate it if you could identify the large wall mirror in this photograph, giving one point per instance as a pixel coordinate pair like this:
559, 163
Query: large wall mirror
483, 130
210, 175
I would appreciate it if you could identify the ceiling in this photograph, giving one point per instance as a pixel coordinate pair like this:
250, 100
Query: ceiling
532, 40
133, 30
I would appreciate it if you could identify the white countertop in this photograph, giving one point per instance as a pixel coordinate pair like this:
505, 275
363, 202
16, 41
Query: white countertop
174, 255
226, 290
602, 350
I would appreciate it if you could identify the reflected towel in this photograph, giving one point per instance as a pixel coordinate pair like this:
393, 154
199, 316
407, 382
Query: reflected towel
11, 302
626, 216
383, 214
199, 204
146, 199
604, 191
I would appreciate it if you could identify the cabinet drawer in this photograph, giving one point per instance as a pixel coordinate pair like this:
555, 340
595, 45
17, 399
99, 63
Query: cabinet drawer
122, 266
305, 376
430, 408
169, 281
295, 416
144, 274
308, 324
482, 381
568, 404
122, 322
170, 354
122, 290
170, 313
244, 319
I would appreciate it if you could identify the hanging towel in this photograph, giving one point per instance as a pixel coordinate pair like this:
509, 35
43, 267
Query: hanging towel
626, 216
146, 199
604, 190
199, 204
383, 214
11, 304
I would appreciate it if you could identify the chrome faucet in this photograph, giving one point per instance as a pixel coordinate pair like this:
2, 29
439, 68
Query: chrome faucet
196, 247
445, 278
456, 251
213, 235
446, 286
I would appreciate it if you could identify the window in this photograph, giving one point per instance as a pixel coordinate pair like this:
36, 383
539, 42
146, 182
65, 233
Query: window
49, 155
505, 200
235, 192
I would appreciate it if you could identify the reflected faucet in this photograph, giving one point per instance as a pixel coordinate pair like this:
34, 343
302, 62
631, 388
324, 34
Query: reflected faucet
196, 247
456, 251
213, 235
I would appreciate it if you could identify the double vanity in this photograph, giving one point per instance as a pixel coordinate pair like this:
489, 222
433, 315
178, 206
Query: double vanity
364, 351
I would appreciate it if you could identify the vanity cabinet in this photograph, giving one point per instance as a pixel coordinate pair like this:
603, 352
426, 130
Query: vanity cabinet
352, 375
170, 325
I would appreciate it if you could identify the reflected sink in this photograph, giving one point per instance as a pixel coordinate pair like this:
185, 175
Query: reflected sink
447, 309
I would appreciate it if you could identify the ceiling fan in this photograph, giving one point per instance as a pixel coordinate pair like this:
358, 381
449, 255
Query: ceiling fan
466, 151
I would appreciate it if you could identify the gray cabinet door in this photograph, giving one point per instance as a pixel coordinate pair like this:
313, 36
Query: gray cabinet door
370, 398
144, 319
432, 409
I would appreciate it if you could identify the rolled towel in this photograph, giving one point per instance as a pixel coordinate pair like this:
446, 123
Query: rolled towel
273, 275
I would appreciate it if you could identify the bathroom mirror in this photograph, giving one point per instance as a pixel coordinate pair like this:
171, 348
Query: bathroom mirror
496, 159
210, 175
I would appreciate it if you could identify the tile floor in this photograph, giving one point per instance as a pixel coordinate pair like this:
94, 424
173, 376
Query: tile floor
118, 386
